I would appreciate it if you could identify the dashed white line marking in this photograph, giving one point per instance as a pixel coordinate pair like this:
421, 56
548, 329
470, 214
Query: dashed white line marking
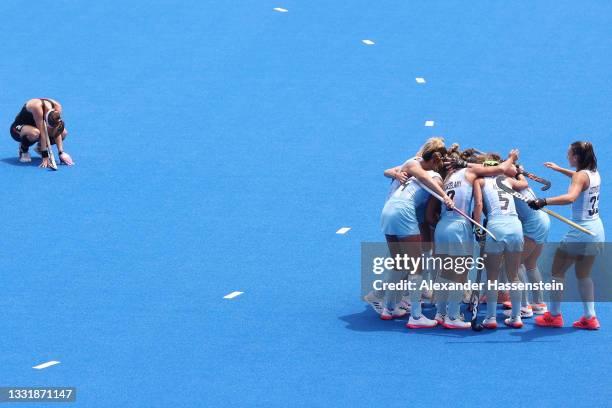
45, 365
420, 80
232, 295
429, 123
343, 230
368, 42
280, 9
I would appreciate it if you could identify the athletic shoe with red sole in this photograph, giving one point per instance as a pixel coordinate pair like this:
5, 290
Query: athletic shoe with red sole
421, 323
590, 323
514, 322
392, 314
507, 305
548, 320
490, 323
539, 308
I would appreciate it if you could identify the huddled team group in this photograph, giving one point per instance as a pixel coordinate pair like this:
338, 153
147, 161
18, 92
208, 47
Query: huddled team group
415, 222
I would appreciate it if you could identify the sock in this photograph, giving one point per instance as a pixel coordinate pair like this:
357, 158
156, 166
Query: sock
534, 275
415, 296
442, 297
587, 293
392, 297
515, 299
524, 293
555, 298
454, 297
491, 303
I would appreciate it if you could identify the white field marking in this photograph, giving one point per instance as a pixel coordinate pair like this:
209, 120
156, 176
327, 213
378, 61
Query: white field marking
343, 230
429, 123
420, 80
368, 42
232, 295
280, 9
45, 365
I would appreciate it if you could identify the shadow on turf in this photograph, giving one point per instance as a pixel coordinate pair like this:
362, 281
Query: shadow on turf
367, 321
14, 161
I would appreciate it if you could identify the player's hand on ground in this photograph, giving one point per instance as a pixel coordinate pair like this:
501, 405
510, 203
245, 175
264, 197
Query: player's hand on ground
44, 163
66, 159
552, 166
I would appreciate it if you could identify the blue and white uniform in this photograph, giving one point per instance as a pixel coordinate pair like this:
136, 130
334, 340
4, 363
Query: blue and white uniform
399, 215
536, 224
585, 212
502, 219
453, 234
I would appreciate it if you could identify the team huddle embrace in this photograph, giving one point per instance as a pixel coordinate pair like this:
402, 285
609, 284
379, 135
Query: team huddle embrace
452, 203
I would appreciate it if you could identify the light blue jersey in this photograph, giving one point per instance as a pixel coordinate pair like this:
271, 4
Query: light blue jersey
453, 235
585, 212
502, 219
399, 215
536, 224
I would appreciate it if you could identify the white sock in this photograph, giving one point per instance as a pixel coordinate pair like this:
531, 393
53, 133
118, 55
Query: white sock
534, 275
587, 293
555, 298
415, 296
442, 297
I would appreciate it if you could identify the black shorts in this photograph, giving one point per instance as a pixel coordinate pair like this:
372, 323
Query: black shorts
15, 130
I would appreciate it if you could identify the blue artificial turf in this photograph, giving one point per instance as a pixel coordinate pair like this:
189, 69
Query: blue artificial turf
219, 145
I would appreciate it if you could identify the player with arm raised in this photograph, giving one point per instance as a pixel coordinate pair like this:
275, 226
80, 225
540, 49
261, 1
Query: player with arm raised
577, 248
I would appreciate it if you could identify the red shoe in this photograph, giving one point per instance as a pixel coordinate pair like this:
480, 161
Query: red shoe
548, 320
503, 297
507, 305
589, 324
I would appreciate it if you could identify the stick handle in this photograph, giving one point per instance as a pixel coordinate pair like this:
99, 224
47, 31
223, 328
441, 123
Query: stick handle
567, 221
458, 211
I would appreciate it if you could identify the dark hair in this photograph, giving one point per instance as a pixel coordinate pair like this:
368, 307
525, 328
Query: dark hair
586, 155
440, 152
55, 119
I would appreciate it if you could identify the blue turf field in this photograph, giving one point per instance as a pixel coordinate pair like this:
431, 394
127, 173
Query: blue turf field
220, 145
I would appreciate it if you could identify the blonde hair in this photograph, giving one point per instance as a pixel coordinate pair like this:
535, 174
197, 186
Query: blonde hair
432, 144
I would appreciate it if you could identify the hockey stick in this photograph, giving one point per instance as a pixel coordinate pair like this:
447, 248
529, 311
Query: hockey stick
475, 296
535, 178
500, 183
53, 164
458, 211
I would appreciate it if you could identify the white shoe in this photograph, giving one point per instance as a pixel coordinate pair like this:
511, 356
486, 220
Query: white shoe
24, 157
539, 308
405, 304
374, 301
388, 314
514, 322
457, 323
421, 323
440, 318
526, 312
490, 323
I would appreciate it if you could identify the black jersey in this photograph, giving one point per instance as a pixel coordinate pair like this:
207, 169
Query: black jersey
25, 117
